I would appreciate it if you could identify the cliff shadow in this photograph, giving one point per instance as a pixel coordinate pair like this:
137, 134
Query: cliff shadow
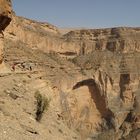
98, 98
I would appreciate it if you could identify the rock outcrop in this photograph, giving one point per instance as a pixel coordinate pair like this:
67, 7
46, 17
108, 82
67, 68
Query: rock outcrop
77, 42
5, 18
43, 36
115, 39
114, 89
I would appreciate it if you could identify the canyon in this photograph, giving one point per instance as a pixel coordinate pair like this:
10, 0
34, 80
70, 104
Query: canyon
70, 84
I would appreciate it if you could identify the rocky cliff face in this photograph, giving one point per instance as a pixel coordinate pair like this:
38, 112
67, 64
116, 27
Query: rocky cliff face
43, 36
113, 88
84, 84
5, 18
121, 39
77, 42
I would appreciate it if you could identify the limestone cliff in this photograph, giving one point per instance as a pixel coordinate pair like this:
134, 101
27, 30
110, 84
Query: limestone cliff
113, 84
77, 42
84, 84
121, 39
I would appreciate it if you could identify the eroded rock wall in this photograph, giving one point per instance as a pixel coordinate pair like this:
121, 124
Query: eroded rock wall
5, 18
49, 38
106, 102
121, 39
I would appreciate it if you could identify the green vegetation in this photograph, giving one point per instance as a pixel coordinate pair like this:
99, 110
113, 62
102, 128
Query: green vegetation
42, 105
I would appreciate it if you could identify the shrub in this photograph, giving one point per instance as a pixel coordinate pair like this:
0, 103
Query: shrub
42, 105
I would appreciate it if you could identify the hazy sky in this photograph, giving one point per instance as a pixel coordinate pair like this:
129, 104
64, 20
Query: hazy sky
81, 13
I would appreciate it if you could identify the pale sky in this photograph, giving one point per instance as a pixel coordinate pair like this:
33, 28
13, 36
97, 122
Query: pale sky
81, 13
